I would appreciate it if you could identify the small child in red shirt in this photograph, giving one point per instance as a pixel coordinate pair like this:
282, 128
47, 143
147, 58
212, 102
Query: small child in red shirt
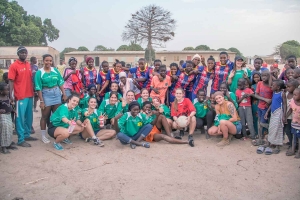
243, 94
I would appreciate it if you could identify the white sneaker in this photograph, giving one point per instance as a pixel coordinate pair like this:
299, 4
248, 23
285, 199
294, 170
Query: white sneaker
45, 140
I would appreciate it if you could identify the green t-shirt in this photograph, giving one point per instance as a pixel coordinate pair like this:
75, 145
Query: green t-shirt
233, 97
63, 112
166, 112
110, 110
201, 109
106, 96
44, 79
94, 118
130, 125
84, 101
140, 101
238, 74
220, 117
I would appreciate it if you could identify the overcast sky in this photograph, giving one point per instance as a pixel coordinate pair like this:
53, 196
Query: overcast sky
252, 26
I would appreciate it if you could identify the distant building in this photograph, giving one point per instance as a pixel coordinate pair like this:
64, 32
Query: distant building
269, 59
8, 54
131, 57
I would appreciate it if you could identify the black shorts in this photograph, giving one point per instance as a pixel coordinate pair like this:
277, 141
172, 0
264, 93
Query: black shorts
51, 130
108, 121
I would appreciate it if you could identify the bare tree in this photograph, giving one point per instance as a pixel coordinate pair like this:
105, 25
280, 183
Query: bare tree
152, 25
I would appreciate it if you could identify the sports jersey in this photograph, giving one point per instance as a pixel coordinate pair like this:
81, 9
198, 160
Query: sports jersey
221, 74
101, 79
63, 112
48, 79
89, 76
138, 73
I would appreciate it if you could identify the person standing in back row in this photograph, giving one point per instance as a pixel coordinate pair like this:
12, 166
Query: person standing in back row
21, 92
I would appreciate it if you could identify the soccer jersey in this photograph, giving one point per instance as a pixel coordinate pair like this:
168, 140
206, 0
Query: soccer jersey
183, 108
202, 79
89, 76
107, 94
245, 101
130, 125
110, 110
141, 101
101, 79
237, 75
20, 73
47, 79
166, 112
138, 73
221, 74
185, 82
161, 86
63, 112
113, 76
265, 92
201, 108
94, 119
149, 78
83, 103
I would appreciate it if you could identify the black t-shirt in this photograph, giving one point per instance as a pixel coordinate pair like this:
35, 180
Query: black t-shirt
4, 104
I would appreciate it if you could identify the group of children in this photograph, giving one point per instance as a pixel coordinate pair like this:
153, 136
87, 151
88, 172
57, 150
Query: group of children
268, 105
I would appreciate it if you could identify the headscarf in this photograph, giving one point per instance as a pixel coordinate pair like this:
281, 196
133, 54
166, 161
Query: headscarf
88, 59
122, 74
196, 56
90, 87
21, 48
72, 59
132, 104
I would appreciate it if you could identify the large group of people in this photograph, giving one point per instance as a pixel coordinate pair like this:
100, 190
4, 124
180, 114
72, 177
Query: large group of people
143, 104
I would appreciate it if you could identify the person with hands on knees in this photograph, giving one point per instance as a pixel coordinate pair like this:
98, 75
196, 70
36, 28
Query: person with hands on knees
159, 121
245, 111
134, 127
264, 94
6, 125
65, 122
183, 107
278, 118
227, 121
127, 84
160, 87
229, 96
49, 86
93, 115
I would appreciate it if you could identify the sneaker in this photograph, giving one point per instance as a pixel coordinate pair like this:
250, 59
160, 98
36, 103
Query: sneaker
98, 142
223, 142
30, 139
181, 133
45, 140
191, 140
24, 144
57, 146
88, 139
67, 141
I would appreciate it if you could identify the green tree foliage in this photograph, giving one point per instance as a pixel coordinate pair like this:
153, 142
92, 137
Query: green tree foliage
188, 49
123, 47
131, 47
100, 48
18, 28
237, 52
221, 49
66, 50
202, 48
287, 50
292, 43
82, 48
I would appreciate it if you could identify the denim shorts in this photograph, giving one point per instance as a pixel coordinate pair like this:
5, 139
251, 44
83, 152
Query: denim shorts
238, 127
261, 115
296, 132
68, 92
51, 96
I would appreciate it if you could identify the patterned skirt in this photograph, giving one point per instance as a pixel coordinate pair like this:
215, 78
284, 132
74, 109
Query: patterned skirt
6, 130
275, 135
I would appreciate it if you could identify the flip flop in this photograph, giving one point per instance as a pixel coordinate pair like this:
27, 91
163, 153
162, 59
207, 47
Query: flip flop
260, 150
268, 151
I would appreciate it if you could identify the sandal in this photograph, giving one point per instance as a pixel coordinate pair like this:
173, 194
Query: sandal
290, 152
268, 151
146, 144
260, 150
12, 147
257, 142
276, 151
4, 150
133, 146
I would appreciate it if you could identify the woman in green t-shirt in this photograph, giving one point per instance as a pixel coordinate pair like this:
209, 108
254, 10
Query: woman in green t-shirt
239, 71
49, 86
65, 122
134, 127
162, 109
83, 103
92, 114
110, 108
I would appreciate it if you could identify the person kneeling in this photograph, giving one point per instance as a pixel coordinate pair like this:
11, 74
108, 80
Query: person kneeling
134, 127
227, 121
65, 122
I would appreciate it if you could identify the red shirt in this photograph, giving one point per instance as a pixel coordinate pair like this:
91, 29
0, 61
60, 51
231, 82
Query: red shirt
263, 91
246, 101
184, 108
20, 73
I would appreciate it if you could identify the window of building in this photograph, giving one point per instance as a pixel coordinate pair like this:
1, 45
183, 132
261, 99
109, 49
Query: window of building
176, 58
189, 58
110, 59
164, 58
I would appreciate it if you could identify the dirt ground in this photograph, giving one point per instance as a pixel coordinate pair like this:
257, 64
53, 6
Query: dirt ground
165, 171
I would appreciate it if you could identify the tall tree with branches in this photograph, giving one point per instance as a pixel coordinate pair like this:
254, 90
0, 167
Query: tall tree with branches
152, 25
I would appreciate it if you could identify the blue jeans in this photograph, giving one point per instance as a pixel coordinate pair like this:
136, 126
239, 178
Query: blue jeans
24, 118
144, 131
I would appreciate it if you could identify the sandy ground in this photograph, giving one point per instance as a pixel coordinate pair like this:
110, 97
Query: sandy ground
165, 171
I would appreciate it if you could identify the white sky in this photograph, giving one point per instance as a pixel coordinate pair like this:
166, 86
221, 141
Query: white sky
255, 27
